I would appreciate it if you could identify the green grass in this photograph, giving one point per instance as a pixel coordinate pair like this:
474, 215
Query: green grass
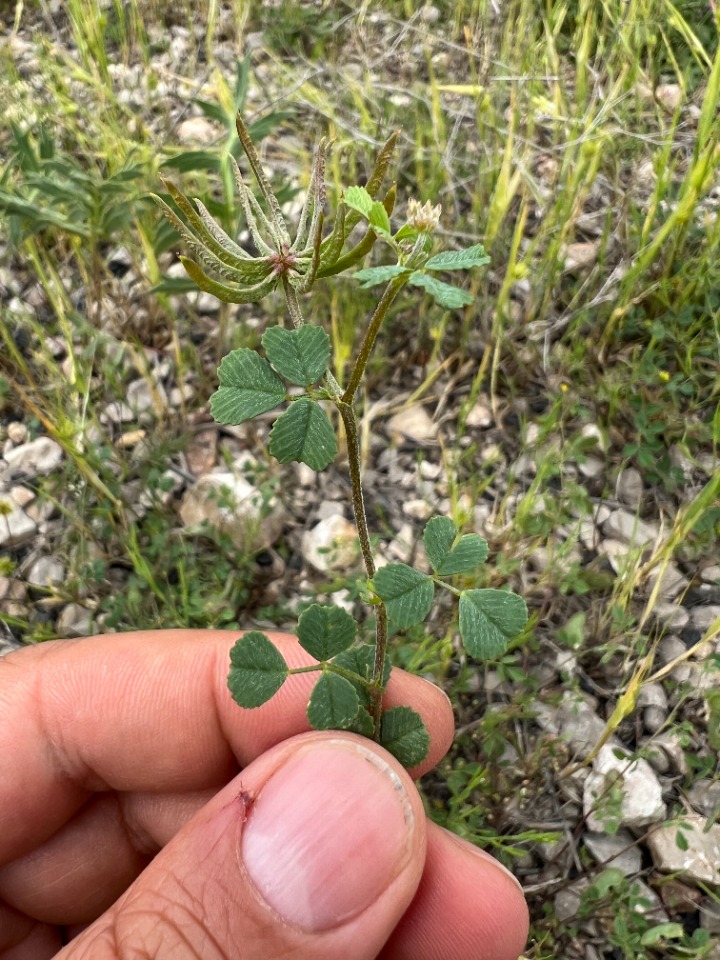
536, 128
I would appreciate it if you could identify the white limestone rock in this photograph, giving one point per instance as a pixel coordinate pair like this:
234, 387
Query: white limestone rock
74, 621
39, 457
672, 582
579, 256
622, 789
711, 574
228, 502
625, 526
671, 615
703, 616
197, 130
417, 509
704, 796
331, 544
45, 572
142, 397
575, 720
669, 96
413, 423
480, 415
629, 487
17, 432
16, 526
688, 846
615, 850
591, 467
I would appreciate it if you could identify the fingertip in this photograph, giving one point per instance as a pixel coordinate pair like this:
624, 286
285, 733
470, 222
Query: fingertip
433, 705
467, 906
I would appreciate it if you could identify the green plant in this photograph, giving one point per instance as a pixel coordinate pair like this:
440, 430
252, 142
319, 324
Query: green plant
348, 694
627, 912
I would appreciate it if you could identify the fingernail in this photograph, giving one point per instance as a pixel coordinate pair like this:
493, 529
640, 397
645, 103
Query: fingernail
328, 833
476, 851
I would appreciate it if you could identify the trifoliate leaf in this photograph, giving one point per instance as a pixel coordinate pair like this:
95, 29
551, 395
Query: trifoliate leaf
374, 275
333, 703
474, 256
488, 620
248, 386
407, 593
357, 198
305, 434
301, 356
378, 218
257, 670
448, 556
446, 295
325, 631
404, 735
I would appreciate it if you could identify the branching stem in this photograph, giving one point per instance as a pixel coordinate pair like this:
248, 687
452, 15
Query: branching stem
344, 402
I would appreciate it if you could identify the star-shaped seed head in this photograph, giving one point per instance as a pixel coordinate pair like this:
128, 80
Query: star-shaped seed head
233, 275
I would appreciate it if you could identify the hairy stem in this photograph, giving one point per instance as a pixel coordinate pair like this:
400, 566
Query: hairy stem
381, 623
293, 303
391, 291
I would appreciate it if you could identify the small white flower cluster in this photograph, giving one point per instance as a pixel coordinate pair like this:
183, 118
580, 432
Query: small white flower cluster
423, 216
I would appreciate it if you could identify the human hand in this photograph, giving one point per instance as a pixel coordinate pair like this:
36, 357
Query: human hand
126, 824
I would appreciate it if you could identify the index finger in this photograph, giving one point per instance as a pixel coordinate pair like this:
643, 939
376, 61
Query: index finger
146, 712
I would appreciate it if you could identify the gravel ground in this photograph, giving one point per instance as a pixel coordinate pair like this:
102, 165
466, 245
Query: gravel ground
637, 794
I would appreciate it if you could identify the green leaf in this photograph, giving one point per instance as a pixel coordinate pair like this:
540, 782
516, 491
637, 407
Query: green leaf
192, 160
467, 554
404, 735
333, 703
248, 386
374, 275
446, 295
448, 557
488, 620
406, 232
610, 879
257, 670
663, 931
361, 660
357, 198
363, 723
301, 356
406, 593
474, 256
439, 536
305, 434
379, 219
326, 631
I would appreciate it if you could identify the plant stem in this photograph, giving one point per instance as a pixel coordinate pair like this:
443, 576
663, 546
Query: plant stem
391, 291
344, 405
293, 303
381, 623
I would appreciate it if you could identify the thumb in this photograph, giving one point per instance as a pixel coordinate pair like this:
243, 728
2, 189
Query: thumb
314, 851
